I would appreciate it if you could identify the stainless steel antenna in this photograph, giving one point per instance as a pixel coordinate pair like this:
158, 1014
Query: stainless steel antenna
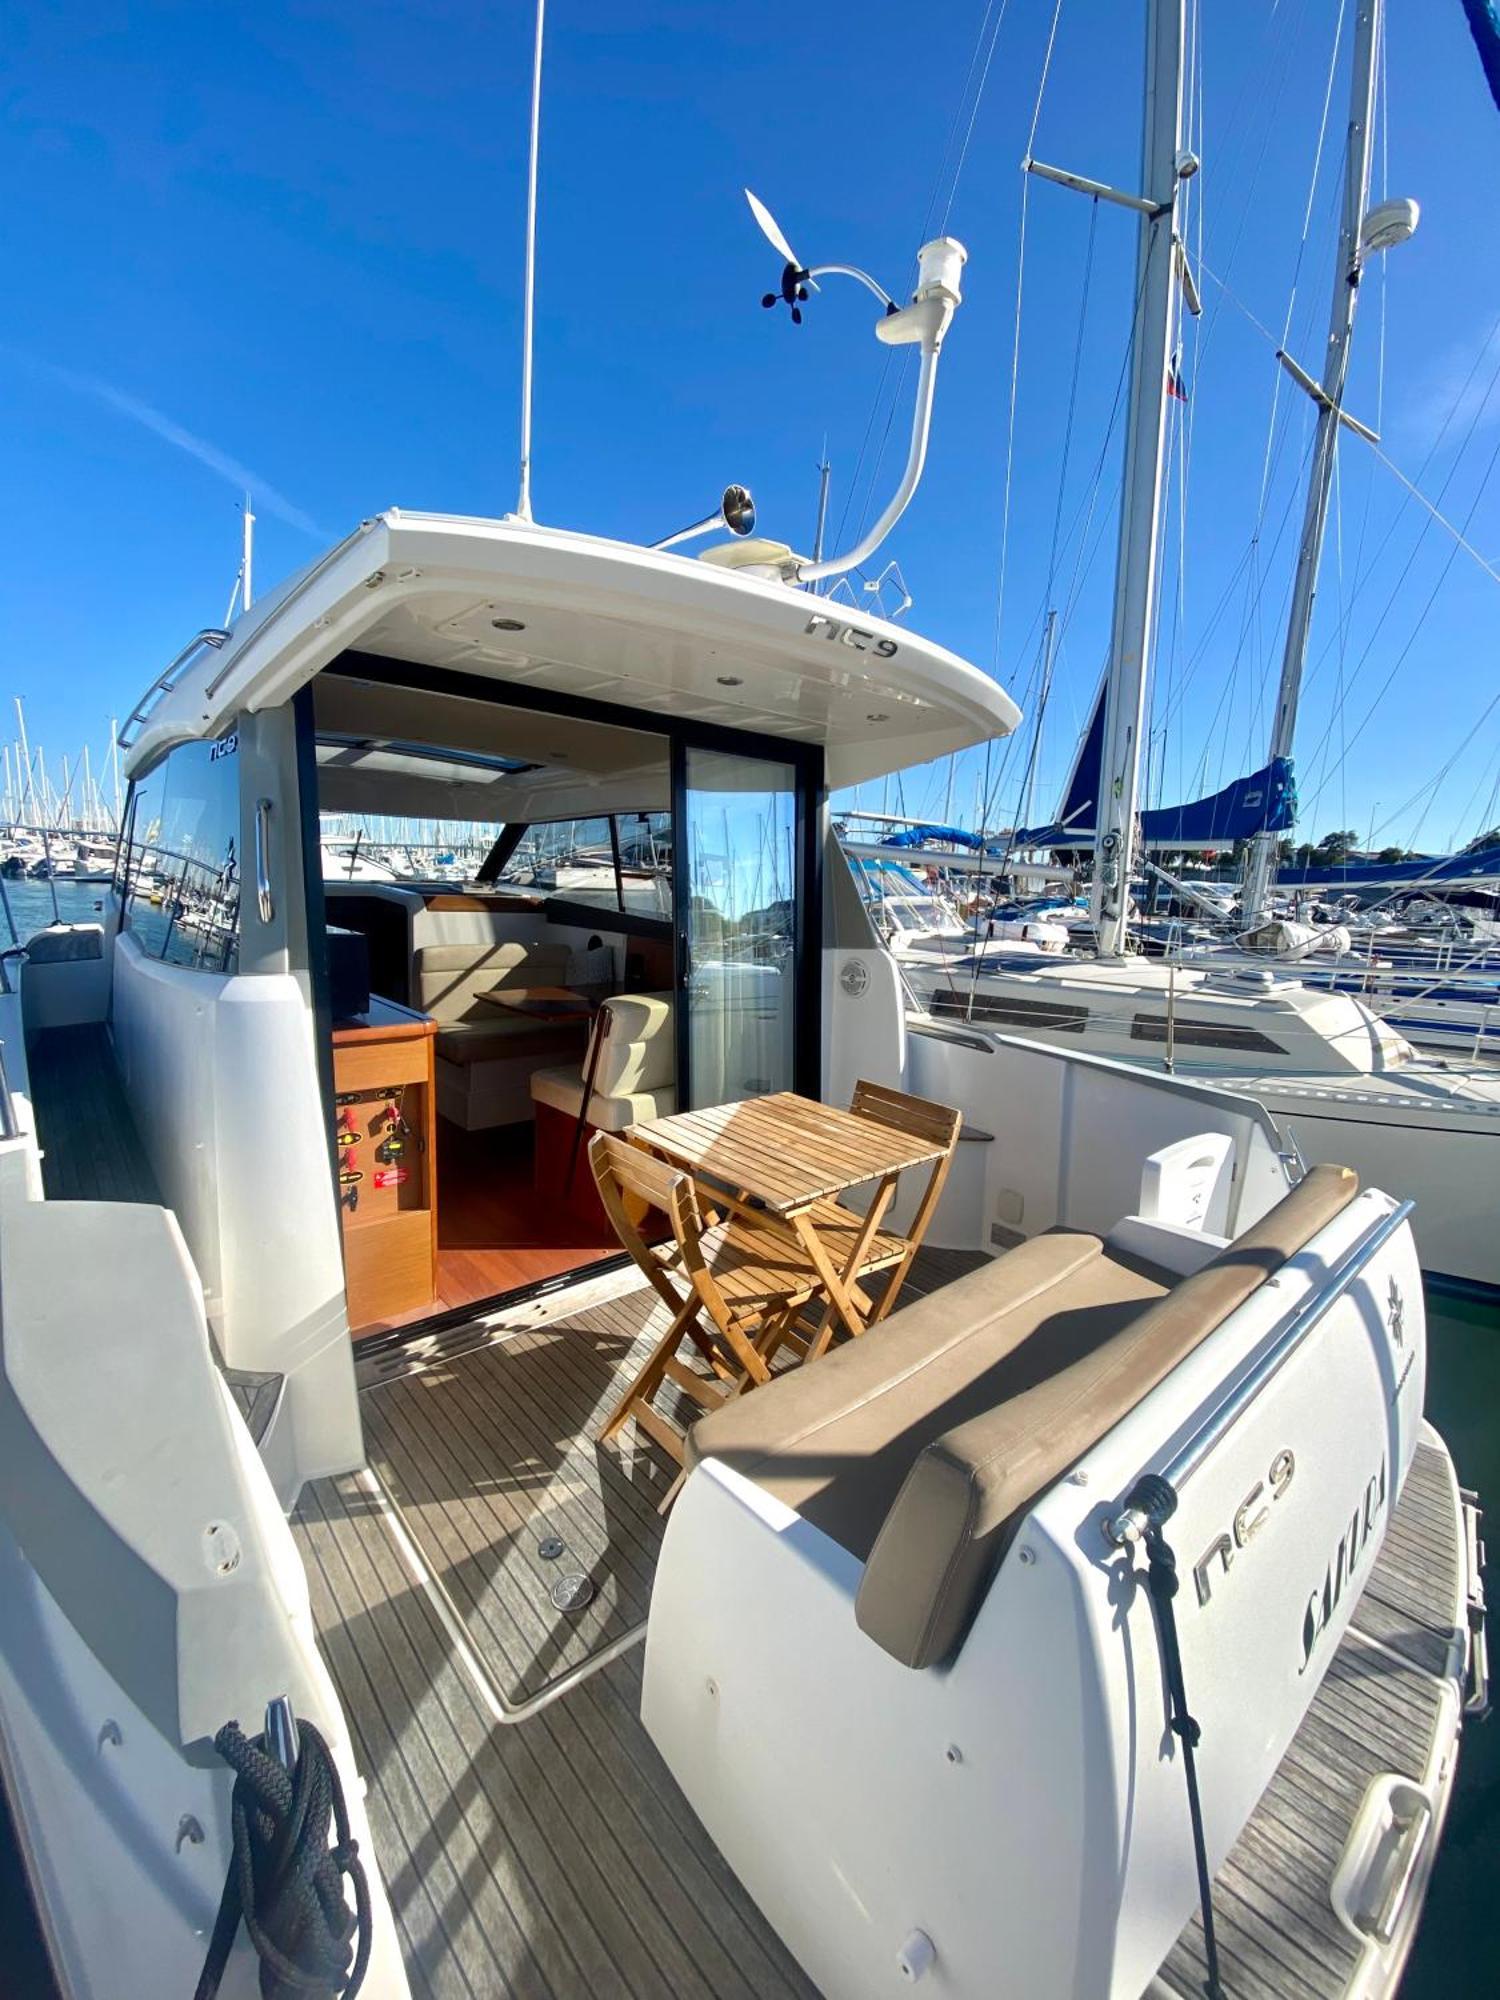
528, 312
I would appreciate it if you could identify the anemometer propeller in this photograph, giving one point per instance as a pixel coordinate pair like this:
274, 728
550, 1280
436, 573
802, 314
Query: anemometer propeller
922, 323
796, 279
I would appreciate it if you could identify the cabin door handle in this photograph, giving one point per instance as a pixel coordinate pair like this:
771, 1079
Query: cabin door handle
264, 902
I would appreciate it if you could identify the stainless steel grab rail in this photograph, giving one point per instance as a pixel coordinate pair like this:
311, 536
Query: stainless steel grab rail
264, 901
166, 680
9, 1125
1129, 1525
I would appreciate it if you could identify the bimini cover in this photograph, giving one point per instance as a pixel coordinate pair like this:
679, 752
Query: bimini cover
1423, 871
1265, 802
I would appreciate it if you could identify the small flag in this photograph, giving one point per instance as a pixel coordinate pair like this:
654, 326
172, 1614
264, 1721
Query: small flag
1175, 385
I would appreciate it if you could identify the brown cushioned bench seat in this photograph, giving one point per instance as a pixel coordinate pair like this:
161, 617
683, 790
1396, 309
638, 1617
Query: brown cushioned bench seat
918, 1447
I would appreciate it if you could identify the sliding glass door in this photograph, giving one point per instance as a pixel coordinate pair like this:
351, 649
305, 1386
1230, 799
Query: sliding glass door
739, 916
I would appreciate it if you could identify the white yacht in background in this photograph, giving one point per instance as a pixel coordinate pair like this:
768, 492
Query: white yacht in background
921, 927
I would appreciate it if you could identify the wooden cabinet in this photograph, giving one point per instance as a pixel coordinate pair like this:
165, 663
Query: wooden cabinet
387, 1134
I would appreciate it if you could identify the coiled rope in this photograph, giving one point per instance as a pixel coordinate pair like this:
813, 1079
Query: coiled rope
285, 1880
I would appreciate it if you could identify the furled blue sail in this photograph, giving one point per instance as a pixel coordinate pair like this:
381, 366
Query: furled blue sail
924, 835
1265, 802
1484, 26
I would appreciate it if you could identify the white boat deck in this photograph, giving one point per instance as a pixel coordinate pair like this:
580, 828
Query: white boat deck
547, 1851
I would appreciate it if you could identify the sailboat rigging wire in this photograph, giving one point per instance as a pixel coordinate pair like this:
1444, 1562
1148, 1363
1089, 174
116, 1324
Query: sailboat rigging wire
957, 114
984, 77
1015, 351
985, 26
1415, 491
1442, 577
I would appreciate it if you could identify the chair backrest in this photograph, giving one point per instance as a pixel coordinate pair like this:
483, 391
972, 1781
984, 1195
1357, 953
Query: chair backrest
638, 1052
919, 1116
623, 1173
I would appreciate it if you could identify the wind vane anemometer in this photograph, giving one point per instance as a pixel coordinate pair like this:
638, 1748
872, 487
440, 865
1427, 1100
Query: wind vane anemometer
922, 323
796, 279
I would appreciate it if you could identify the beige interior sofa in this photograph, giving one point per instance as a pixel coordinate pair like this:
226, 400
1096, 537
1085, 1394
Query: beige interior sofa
920, 1447
485, 1055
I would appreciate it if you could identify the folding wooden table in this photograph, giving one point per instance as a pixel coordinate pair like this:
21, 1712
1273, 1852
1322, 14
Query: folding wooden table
782, 1160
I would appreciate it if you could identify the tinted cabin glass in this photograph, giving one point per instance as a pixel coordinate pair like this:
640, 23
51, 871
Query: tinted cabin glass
646, 863
182, 881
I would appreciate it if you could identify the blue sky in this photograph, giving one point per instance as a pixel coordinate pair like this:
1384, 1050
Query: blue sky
287, 241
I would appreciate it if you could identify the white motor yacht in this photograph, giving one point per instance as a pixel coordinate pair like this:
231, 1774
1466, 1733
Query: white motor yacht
304, 1367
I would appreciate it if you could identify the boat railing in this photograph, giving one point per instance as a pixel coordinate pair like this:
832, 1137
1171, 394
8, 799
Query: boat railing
213, 636
10, 1125
1129, 1524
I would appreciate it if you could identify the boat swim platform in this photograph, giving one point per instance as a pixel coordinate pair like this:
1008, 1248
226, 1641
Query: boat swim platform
530, 1836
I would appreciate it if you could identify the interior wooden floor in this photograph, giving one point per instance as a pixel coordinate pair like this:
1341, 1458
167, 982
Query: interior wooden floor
495, 1232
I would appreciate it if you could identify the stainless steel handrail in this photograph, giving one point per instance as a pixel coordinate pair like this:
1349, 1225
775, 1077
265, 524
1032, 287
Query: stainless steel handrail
1129, 1525
9, 1125
166, 680
264, 901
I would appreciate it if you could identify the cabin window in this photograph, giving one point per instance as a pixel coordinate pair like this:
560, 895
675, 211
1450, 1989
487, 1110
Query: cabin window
1204, 1035
988, 1011
181, 877
606, 862
613, 862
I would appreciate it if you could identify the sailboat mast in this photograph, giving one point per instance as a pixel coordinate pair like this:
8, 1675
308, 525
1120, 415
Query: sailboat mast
1351, 255
1154, 336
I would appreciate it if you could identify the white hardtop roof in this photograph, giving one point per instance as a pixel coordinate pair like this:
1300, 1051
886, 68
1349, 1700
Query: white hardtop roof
660, 633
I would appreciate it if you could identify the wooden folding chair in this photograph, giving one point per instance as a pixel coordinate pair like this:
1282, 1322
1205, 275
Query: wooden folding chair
732, 1290
938, 1124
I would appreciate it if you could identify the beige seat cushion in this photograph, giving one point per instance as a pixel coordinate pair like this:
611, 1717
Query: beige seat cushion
639, 1050
966, 1492
466, 1042
635, 1074
921, 1445
836, 1440
561, 1088
449, 978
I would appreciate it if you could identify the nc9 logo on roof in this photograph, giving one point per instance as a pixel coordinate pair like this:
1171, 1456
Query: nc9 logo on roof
850, 635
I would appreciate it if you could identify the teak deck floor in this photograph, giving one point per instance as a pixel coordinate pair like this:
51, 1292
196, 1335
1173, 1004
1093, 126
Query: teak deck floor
1377, 1710
554, 1856
91, 1150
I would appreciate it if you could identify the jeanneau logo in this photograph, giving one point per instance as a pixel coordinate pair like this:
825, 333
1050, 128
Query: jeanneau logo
1347, 1555
1398, 1315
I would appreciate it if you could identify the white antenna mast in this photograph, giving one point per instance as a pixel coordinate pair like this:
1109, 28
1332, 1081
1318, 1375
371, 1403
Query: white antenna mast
528, 311
243, 581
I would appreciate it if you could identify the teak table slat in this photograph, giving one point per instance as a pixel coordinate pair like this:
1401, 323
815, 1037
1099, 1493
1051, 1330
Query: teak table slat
775, 1159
